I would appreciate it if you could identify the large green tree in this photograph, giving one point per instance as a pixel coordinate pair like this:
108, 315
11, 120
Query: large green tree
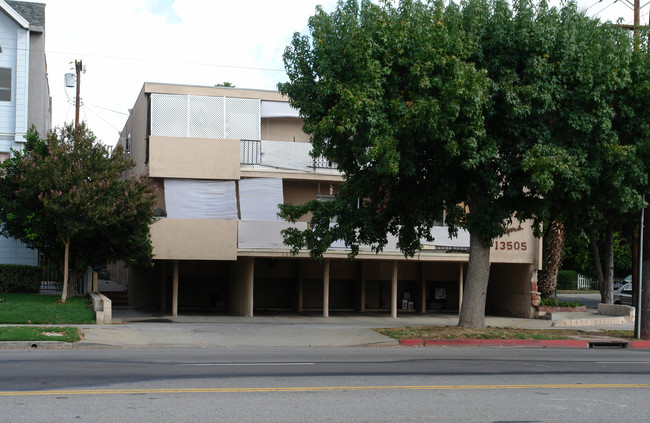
66, 196
392, 95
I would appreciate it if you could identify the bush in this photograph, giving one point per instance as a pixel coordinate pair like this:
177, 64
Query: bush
567, 279
553, 302
19, 278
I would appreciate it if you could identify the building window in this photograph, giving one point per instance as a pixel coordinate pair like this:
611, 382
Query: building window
5, 84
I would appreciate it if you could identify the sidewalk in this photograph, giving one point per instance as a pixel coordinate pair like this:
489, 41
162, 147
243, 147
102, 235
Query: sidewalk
133, 328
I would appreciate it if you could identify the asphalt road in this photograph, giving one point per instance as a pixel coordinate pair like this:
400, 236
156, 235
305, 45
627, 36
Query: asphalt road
590, 300
381, 384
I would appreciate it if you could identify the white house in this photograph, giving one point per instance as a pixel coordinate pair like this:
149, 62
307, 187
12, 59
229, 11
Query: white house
24, 93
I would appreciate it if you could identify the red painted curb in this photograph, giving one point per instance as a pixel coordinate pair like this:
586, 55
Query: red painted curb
411, 342
562, 343
640, 344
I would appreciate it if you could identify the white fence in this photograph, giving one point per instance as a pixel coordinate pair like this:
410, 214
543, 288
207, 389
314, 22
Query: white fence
585, 282
588, 283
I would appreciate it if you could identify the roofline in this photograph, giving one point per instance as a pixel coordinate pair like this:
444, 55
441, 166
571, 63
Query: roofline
14, 15
167, 88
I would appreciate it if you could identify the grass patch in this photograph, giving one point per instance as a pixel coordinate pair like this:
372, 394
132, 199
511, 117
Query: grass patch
36, 333
19, 308
455, 332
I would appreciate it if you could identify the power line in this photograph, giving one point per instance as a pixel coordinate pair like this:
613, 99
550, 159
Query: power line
140, 59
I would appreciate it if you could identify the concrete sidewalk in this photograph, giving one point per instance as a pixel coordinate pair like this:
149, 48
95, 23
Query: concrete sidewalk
143, 329
135, 328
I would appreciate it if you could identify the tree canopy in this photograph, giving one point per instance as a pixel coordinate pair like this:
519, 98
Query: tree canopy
65, 195
492, 110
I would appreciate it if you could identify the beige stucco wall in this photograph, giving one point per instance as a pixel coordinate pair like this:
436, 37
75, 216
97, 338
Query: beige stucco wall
194, 158
240, 297
136, 129
150, 87
518, 246
190, 239
283, 129
300, 192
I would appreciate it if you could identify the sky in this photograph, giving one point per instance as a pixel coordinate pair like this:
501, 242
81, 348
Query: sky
125, 43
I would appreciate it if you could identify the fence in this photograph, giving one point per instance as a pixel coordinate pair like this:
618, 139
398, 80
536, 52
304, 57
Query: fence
52, 279
588, 283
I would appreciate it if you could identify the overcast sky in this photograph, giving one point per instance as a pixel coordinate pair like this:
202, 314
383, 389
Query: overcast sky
125, 43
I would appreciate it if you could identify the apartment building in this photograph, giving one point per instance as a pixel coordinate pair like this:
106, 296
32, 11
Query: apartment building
223, 159
24, 93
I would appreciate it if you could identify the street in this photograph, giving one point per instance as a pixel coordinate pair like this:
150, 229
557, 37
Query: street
371, 384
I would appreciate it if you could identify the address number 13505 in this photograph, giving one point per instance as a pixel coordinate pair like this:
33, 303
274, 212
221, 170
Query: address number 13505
509, 245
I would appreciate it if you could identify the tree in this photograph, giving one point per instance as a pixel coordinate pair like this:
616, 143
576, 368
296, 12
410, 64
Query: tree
65, 195
583, 170
394, 96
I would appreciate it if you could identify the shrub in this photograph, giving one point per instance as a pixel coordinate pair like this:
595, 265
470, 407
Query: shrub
19, 278
567, 279
553, 302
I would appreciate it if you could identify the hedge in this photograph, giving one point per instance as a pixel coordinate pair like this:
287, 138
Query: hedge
567, 279
20, 278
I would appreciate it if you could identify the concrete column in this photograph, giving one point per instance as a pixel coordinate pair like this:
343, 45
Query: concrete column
423, 288
301, 283
163, 288
175, 290
250, 285
393, 292
326, 288
460, 287
363, 287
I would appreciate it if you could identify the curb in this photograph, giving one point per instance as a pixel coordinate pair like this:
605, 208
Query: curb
560, 343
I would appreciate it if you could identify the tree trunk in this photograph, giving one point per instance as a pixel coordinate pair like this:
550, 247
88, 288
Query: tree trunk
472, 313
548, 285
595, 254
607, 284
66, 256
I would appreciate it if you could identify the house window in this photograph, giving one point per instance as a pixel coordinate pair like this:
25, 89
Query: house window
5, 84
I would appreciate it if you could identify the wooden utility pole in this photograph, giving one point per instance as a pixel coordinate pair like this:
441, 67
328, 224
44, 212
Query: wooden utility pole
79, 68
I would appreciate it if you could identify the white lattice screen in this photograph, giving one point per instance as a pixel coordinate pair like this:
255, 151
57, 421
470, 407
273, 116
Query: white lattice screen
169, 115
243, 118
205, 117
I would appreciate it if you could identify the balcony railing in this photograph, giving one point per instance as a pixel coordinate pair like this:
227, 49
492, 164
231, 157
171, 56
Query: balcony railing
250, 152
324, 163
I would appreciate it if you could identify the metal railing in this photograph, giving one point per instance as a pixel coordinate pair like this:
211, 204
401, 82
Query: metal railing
324, 163
250, 152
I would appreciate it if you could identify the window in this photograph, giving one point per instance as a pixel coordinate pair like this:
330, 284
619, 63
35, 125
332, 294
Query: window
5, 84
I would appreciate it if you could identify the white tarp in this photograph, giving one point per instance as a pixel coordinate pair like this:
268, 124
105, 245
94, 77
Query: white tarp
274, 109
199, 199
259, 198
287, 155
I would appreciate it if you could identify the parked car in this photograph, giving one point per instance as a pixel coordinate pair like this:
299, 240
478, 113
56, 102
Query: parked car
623, 295
619, 284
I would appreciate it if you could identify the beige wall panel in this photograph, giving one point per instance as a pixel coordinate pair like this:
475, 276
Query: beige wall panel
136, 127
283, 129
194, 158
300, 192
518, 246
213, 91
189, 239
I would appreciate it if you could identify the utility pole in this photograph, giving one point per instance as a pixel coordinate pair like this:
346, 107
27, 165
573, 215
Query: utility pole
79, 68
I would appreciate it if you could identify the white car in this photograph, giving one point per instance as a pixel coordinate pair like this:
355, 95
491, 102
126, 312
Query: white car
623, 295
619, 284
